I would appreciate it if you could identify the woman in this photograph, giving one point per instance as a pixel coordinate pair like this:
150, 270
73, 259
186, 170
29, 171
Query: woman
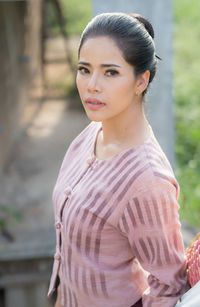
116, 211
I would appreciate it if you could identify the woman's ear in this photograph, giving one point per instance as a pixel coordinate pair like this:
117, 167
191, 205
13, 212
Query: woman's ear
142, 82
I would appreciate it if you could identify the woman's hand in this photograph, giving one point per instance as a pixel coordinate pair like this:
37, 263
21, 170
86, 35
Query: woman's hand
58, 298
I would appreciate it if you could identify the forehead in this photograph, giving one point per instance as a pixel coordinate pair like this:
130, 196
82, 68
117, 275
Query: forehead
101, 49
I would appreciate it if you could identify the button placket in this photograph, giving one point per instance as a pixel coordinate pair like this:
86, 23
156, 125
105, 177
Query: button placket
58, 225
56, 266
68, 191
91, 161
57, 256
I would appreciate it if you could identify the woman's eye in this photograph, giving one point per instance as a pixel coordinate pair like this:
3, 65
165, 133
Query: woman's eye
112, 72
83, 70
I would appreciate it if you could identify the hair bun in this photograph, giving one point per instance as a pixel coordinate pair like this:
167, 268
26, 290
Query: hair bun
145, 22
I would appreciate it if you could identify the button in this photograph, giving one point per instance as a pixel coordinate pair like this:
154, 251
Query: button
68, 191
58, 225
90, 160
57, 256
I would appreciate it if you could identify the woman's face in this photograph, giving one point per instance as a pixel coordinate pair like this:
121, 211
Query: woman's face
106, 82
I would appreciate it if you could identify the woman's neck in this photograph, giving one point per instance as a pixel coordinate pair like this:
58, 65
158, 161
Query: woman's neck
131, 129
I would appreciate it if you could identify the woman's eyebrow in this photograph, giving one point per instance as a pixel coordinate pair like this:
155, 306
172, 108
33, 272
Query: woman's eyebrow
102, 65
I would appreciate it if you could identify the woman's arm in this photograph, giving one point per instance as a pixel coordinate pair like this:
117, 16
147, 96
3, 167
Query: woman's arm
152, 224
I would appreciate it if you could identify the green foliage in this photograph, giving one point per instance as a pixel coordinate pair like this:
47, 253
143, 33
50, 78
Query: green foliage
187, 110
77, 13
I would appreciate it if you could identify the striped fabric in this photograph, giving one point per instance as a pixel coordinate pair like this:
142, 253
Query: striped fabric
117, 227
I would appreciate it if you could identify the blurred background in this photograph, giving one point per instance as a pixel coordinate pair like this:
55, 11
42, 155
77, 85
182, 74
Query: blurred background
41, 113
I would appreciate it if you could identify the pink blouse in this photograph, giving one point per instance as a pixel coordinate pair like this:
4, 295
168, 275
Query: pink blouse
117, 227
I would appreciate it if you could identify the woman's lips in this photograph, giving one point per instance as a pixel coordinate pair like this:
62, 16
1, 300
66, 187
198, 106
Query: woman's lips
94, 103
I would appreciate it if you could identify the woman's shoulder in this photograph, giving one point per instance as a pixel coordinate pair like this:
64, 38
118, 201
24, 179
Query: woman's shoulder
87, 133
81, 144
157, 170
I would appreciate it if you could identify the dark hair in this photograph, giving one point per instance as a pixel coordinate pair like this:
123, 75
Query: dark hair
132, 33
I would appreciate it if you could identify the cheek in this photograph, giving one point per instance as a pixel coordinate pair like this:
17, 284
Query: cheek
77, 81
123, 88
79, 84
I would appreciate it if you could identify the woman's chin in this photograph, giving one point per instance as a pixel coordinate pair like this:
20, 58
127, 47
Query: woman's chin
94, 117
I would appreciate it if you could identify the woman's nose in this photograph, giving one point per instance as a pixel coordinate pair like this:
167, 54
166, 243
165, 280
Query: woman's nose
93, 84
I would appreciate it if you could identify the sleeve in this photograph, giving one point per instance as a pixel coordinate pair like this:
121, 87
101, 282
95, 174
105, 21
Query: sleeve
151, 223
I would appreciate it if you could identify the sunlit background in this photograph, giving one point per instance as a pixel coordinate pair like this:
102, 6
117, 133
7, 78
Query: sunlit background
187, 106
